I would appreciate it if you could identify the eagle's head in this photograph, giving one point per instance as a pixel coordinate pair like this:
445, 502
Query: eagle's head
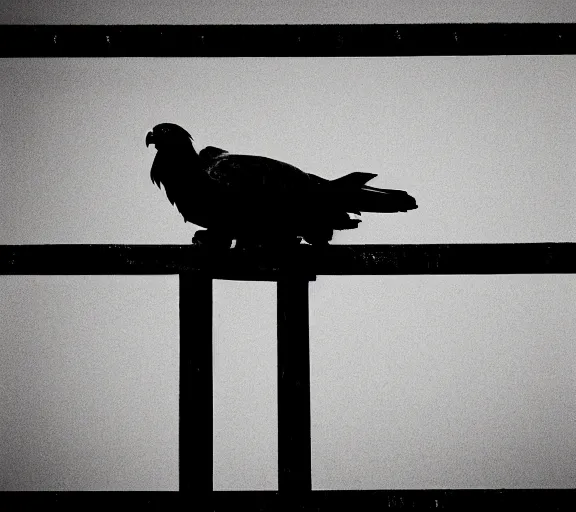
168, 134
171, 141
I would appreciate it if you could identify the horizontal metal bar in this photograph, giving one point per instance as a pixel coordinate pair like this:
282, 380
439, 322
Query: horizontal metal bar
304, 260
287, 40
319, 501
323, 501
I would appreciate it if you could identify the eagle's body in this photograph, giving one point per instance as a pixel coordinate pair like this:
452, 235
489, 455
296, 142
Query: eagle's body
256, 199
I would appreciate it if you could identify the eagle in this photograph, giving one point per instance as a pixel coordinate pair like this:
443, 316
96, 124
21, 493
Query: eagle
254, 200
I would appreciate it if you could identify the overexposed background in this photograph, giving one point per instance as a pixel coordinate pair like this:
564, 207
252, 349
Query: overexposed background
417, 382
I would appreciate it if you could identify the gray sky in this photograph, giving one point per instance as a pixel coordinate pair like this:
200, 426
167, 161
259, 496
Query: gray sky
443, 381
285, 11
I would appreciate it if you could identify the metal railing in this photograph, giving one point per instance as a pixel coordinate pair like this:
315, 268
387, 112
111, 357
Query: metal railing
292, 270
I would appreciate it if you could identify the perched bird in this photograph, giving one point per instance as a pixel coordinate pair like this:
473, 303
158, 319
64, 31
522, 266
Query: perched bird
259, 201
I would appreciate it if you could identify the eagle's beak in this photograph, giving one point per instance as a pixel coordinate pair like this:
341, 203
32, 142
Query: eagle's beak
149, 138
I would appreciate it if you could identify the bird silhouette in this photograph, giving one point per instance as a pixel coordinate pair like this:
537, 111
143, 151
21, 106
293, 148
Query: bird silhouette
256, 200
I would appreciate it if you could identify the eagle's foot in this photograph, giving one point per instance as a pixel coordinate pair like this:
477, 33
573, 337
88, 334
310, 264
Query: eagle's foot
211, 239
319, 237
268, 244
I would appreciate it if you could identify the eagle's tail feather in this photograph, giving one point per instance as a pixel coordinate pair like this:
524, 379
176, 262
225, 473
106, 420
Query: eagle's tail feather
371, 199
356, 196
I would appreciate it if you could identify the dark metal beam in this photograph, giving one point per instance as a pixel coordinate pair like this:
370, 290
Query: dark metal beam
432, 499
287, 40
195, 423
294, 452
318, 501
304, 260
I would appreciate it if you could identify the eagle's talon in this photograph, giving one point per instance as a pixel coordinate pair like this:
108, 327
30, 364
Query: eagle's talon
206, 238
268, 244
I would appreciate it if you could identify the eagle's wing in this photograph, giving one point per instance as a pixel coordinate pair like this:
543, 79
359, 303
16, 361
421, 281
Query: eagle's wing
257, 192
256, 176
211, 152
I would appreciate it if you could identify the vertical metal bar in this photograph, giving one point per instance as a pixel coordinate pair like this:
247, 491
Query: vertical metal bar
294, 452
195, 425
